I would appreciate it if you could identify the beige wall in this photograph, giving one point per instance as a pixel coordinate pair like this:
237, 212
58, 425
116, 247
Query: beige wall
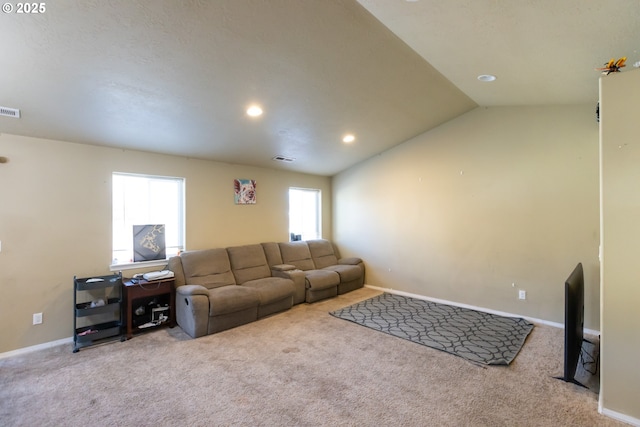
55, 221
620, 174
494, 197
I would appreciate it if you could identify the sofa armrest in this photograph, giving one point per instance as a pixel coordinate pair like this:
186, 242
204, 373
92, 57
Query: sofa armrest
186, 290
350, 261
192, 309
283, 267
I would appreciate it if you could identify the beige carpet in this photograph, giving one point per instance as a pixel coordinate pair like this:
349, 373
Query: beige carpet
298, 368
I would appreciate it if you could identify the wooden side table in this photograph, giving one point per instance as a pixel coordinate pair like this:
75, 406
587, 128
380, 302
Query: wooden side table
143, 289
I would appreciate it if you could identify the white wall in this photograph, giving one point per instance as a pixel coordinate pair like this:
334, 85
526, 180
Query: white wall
494, 197
620, 198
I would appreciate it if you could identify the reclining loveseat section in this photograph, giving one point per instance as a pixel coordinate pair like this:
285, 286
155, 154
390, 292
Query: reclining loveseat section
319, 284
351, 270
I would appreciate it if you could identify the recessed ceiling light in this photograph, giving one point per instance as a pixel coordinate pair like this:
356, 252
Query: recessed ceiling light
486, 77
254, 111
348, 138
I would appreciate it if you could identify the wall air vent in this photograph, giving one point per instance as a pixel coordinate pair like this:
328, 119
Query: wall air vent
283, 159
10, 112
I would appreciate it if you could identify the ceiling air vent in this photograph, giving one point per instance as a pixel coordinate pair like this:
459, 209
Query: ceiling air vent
10, 112
283, 159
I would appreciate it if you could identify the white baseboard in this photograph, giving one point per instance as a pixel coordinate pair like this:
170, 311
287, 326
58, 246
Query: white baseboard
26, 350
618, 416
473, 307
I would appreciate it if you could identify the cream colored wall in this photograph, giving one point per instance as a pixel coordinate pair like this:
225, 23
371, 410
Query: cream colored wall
55, 221
620, 174
494, 197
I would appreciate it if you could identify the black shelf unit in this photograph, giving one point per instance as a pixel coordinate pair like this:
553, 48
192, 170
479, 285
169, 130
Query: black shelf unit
102, 323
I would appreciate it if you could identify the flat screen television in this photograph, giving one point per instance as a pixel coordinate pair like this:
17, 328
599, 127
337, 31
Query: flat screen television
573, 323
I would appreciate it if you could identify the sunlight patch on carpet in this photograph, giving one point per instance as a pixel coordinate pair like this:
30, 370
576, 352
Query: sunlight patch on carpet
480, 337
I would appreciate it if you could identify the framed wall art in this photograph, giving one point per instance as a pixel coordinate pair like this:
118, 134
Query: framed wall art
244, 191
148, 242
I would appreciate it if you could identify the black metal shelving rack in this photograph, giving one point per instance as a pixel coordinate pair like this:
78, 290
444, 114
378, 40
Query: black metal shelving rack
110, 324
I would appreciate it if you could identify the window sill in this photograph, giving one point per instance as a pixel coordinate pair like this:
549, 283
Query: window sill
138, 265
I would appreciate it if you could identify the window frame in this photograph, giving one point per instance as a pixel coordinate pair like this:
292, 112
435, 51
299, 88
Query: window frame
318, 194
181, 221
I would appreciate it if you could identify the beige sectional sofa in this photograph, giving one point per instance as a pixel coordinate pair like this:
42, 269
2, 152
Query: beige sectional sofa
221, 288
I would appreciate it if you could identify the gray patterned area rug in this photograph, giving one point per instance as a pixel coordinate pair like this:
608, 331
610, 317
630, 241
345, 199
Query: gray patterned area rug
476, 336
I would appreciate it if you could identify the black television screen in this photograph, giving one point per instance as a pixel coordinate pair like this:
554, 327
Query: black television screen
573, 322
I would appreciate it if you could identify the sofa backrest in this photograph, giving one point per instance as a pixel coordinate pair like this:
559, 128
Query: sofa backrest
297, 253
322, 253
272, 252
175, 264
209, 267
248, 262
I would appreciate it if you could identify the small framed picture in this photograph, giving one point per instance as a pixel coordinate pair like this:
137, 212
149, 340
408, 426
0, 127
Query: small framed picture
244, 191
148, 242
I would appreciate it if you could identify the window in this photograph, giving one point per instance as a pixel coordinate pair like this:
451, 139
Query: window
304, 214
142, 200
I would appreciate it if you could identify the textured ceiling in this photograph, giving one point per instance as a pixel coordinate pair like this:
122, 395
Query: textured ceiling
175, 77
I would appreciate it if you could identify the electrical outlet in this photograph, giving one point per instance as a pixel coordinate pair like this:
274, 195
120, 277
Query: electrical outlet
37, 318
522, 294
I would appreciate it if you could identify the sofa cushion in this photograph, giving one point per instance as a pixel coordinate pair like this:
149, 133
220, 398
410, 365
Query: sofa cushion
272, 252
248, 263
297, 253
322, 253
231, 299
209, 268
271, 289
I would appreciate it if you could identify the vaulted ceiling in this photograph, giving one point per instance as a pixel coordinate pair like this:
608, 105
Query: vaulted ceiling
177, 76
